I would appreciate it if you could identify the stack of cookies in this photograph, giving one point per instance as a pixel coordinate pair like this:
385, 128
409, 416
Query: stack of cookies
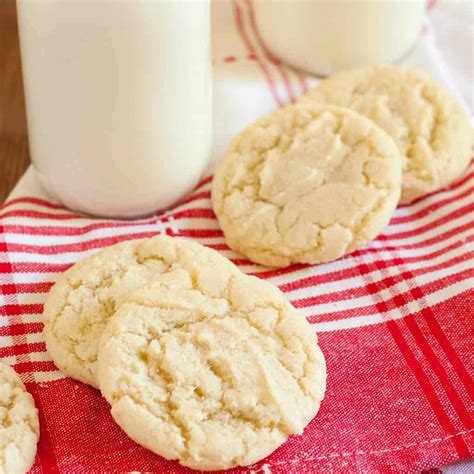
199, 362
321, 178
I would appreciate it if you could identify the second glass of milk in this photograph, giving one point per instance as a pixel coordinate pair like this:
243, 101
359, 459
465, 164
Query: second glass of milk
324, 36
118, 97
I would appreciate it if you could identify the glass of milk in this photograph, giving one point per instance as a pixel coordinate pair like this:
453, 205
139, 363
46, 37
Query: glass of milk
118, 97
324, 36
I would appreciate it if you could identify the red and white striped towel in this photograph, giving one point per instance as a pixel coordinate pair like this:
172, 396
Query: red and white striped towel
395, 319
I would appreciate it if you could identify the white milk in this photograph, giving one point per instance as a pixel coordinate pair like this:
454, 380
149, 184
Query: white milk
324, 36
118, 97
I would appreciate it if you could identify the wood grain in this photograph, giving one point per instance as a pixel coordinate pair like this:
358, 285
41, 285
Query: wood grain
14, 158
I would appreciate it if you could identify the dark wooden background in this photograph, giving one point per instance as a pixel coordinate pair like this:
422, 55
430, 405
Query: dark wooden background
14, 157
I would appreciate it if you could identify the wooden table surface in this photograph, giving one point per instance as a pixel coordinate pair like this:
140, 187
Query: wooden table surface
14, 158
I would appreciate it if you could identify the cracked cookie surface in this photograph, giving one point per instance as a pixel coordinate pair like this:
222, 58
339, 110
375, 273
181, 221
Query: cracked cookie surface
214, 372
430, 127
19, 426
307, 184
85, 297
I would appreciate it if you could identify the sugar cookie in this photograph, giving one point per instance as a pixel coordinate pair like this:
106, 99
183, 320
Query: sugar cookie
214, 370
85, 297
306, 184
428, 124
19, 425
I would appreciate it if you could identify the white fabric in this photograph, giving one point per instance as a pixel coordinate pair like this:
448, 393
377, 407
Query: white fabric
452, 22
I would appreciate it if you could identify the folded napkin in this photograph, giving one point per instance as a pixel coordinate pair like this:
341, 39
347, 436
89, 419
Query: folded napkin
394, 319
